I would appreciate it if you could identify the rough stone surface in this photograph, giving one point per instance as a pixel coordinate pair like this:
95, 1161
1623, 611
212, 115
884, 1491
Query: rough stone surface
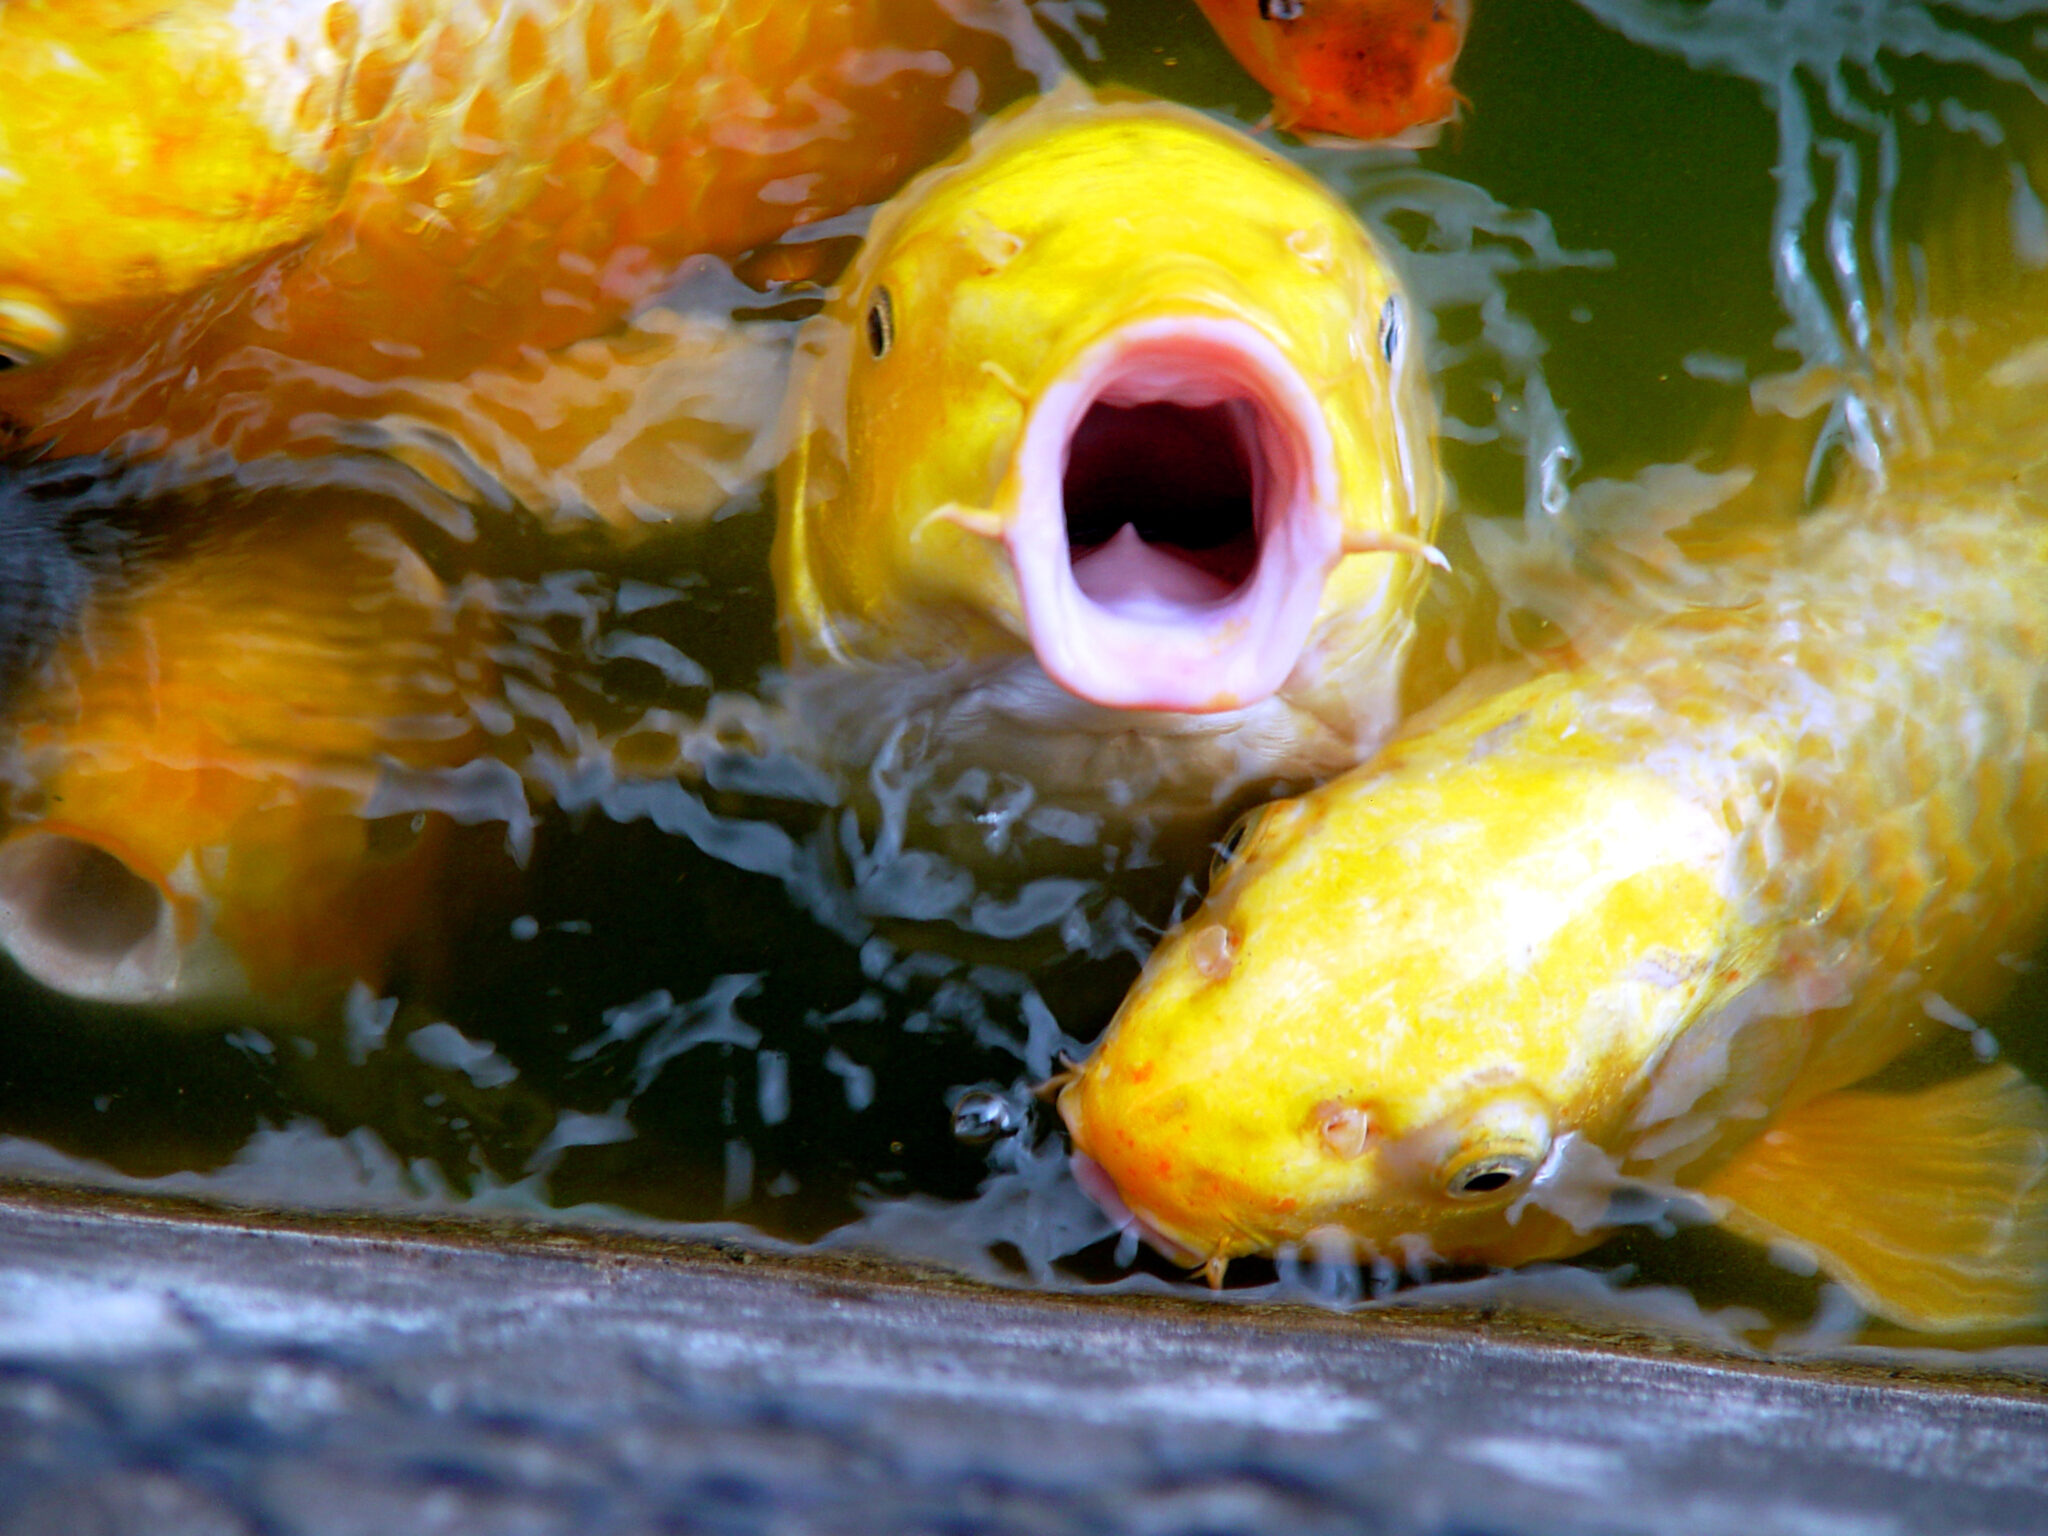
173, 1373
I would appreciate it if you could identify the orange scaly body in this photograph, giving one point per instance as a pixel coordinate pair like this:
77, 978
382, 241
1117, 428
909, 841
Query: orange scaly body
233, 227
1357, 69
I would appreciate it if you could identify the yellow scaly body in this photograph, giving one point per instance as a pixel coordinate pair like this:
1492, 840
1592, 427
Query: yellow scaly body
1646, 921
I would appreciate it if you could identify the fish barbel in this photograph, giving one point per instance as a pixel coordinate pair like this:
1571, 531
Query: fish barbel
1645, 923
1121, 401
1352, 69
194, 811
225, 220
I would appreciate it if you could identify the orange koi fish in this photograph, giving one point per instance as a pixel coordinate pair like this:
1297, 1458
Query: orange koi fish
1355, 69
231, 226
194, 810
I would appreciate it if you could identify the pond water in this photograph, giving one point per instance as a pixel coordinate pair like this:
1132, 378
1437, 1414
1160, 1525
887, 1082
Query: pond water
630, 956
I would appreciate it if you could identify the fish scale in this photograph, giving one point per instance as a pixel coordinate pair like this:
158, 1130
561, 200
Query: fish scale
1819, 714
279, 203
1648, 918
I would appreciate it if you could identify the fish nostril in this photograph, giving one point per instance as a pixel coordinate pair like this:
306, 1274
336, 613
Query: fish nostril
1179, 476
1213, 952
1345, 1129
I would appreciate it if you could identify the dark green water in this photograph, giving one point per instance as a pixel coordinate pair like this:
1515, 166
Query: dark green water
731, 992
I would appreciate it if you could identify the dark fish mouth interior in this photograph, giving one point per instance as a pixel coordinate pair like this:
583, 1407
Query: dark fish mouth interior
1180, 476
1175, 518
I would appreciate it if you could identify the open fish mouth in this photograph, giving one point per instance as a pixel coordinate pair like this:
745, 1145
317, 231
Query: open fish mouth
1176, 518
1096, 1183
80, 921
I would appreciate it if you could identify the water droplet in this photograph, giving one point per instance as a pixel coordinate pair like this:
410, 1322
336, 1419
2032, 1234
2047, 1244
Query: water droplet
982, 1116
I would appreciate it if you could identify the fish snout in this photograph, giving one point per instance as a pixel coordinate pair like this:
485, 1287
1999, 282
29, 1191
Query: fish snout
1159, 1164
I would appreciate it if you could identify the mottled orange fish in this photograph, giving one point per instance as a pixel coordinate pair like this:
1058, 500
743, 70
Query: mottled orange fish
230, 226
195, 777
1354, 69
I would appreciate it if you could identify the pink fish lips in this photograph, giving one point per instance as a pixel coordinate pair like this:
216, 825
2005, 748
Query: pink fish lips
1176, 518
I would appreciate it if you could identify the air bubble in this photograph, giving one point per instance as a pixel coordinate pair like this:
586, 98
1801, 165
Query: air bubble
982, 1115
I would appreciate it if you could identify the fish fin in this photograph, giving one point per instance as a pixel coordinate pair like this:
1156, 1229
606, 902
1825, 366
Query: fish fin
1930, 1207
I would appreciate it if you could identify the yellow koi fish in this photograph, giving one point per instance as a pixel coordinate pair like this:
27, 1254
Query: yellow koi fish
195, 776
1646, 923
229, 224
1119, 415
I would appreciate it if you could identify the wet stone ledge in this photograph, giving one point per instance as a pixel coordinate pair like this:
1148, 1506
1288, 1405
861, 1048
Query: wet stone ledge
176, 1372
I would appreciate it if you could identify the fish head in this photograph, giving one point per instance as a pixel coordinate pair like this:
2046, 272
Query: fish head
1409, 999
1122, 389
141, 156
1364, 70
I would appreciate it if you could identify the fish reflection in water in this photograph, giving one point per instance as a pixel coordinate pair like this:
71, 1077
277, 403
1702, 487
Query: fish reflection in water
1645, 923
1113, 445
200, 801
257, 229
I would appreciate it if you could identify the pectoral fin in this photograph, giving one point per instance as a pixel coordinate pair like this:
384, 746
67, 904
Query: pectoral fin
1930, 1207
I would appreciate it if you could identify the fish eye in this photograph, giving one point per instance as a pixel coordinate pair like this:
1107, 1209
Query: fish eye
1390, 328
1281, 10
1232, 842
881, 323
1488, 1175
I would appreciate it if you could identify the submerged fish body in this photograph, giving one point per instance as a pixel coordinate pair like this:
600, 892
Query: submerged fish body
228, 225
198, 810
1354, 69
1118, 417
1641, 926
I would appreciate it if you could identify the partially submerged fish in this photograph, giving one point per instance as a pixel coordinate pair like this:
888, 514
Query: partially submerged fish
197, 811
228, 226
1124, 402
1644, 924
1353, 69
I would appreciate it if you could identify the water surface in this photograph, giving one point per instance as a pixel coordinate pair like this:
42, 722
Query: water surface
684, 975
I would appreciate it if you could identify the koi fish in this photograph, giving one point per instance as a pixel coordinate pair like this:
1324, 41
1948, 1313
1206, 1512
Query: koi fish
1353, 69
1644, 923
1116, 417
230, 227
194, 809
